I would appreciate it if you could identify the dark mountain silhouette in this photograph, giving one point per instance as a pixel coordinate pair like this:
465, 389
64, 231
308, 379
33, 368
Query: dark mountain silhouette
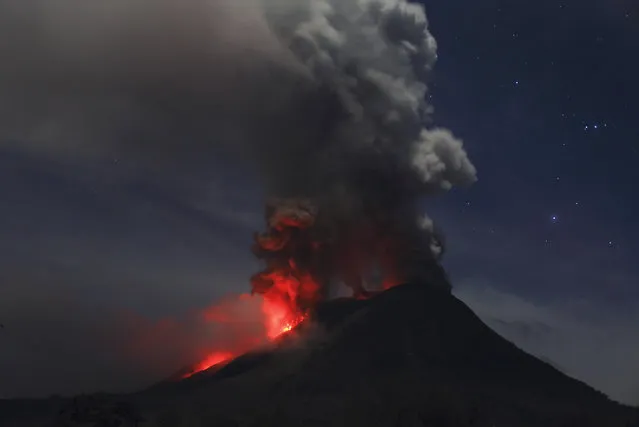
410, 356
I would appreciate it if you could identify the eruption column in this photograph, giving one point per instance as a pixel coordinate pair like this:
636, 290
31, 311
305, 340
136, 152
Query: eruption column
290, 284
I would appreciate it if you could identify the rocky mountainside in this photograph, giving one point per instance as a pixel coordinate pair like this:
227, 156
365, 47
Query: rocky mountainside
411, 356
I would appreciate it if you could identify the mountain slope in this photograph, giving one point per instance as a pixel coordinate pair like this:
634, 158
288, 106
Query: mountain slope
410, 356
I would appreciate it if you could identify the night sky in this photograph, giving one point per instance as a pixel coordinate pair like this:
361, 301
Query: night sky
544, 94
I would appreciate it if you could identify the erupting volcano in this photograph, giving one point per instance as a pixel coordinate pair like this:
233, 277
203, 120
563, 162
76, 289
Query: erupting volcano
289, 286
414, 354
279, 317
345, 157
326, 102
304, 260
296, 277
290, 283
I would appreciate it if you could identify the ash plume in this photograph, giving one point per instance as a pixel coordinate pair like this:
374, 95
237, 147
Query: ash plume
325, 98
371, 157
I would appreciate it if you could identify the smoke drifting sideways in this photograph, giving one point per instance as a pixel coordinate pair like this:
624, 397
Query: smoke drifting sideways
324, 99
63, 345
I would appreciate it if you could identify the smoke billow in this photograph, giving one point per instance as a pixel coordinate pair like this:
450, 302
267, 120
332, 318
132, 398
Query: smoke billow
370, 157
326, 98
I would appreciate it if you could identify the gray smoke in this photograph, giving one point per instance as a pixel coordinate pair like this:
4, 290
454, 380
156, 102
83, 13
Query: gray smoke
325, 97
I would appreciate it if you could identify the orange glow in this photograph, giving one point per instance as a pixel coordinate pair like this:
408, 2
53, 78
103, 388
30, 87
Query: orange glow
213, 359
299, 263
280, 302
287, 287
280, 315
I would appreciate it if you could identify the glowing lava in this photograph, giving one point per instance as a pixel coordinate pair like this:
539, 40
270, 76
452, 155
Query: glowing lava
279, 308
213, 359
289, 285
279, 320
279, 317
294, 276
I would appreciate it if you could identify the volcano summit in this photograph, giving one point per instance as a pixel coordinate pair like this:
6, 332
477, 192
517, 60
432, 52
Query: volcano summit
413, 355
410, 356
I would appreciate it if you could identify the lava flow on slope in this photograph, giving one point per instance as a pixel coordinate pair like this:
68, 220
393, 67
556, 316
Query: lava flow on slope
302, 257
277, 321
288, 287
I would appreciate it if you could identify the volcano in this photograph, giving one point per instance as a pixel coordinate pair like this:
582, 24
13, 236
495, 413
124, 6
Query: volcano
413, 355
410, 356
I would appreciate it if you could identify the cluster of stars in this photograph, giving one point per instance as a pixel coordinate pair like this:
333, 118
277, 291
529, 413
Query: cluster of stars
582, 128
595, 126
554, 219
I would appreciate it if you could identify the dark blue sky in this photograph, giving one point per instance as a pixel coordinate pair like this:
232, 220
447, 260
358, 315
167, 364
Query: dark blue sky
544, 95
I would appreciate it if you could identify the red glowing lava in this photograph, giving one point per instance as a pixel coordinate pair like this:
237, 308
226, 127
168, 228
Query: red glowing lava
301, 257
289, 285
213, 359
280, 303
279, 317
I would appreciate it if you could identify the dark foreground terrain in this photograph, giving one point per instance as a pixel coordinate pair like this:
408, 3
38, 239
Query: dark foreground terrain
409, 357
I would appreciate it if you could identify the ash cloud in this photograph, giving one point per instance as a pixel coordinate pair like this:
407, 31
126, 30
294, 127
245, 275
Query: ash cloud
150, 79
325, 98
285, 79
371, 158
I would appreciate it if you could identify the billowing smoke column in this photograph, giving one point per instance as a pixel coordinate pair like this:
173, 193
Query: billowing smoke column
348, 192
290, 284
326, 99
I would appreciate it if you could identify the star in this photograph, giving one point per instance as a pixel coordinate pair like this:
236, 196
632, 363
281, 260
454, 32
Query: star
554, 218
